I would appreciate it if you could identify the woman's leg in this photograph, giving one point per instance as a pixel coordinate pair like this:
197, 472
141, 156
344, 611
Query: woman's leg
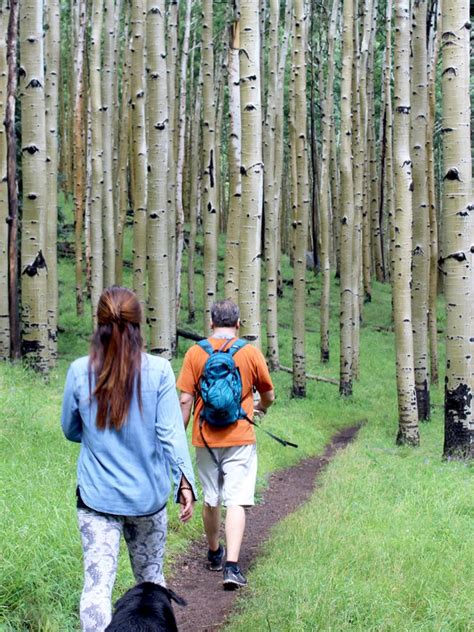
146, 538
100, 536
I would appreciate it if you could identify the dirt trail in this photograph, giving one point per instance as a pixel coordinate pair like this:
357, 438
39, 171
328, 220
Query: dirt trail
208, 604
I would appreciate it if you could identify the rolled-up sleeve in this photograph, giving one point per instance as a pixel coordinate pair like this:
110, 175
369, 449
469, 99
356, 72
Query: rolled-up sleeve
171, 433
70, 418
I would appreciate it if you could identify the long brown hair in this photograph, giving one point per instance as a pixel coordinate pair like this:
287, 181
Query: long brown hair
115, 355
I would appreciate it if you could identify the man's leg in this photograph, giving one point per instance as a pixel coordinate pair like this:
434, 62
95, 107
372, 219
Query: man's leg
211, 517
234, 531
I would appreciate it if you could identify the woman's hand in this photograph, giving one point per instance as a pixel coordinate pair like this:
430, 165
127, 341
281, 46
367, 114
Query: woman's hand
186, 500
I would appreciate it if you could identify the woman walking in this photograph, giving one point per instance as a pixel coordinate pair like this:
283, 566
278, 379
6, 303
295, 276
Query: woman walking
121, 405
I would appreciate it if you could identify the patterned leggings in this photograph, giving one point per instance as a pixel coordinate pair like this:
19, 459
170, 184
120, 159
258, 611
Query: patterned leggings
100, 534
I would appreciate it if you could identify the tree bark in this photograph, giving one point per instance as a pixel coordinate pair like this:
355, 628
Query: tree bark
96, 240
302, 209
421, 219
252, 172
210, 185
13, 278
158, 142
408, 432
346, 205
34, 266
231, 274
52, 42
458, 219
4, 218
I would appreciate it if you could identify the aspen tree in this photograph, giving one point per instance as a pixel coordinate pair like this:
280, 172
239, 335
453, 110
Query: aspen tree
252, 171
158, 143
78, 147
325, 189
138, 147
172, 64
302, 208
181, 151
108, 115
10, 117
123, 136
4, 310
210, 188
346, 204
458, 222
387, 181
359, 138
96, 140
433, 267
231, 274
195, 191
408, 432
33, 139
270, 210
421, 219
52, 43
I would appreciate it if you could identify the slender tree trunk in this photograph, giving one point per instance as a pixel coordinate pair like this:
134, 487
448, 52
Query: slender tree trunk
346, 205
301, 215
109, 113
210, 190
195, 193
421, 221
181, 152
458, 219
433, 271
172, 64
325, 189
52, 42
252, 172
231, 274
388, 147
139, 147
158, 143
96, 258
123, 167
13, 295
270, 210
78, 149
4, 219
33, 263
408, 432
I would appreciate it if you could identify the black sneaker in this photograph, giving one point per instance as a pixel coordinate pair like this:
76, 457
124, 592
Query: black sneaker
214, 559
233, 578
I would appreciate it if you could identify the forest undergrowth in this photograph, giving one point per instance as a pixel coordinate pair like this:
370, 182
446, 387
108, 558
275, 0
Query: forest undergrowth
384, 543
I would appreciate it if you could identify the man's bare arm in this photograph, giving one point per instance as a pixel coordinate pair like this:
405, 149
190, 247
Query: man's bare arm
266, 400
186, 401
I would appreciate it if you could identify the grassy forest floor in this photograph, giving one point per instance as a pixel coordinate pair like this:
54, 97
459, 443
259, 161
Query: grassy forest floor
385, 542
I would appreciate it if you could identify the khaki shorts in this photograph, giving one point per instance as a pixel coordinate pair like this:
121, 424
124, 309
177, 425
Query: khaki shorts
237, 487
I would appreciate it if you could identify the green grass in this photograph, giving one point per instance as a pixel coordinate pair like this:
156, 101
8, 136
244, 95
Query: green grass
384, 543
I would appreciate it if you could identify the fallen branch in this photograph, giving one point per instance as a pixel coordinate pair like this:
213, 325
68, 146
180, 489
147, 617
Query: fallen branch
190, 335
318, 378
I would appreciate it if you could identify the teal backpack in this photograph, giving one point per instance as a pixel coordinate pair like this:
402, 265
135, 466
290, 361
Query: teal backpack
221, 385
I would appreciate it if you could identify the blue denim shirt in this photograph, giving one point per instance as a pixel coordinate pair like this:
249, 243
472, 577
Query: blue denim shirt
126, 472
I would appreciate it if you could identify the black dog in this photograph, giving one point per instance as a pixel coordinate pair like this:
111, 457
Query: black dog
145, 608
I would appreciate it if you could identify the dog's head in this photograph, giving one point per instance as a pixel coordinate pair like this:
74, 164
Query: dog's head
145, 608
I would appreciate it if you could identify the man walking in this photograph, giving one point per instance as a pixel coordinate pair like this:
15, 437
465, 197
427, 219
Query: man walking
226, 456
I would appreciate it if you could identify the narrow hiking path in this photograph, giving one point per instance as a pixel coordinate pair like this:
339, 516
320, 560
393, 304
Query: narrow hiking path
208, 604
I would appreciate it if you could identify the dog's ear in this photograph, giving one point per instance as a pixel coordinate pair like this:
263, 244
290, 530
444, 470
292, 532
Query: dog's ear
179, 600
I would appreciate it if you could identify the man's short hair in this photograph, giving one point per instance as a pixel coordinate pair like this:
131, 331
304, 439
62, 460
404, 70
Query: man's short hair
225, 313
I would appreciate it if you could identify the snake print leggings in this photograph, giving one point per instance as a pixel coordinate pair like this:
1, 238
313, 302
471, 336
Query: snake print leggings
100, 534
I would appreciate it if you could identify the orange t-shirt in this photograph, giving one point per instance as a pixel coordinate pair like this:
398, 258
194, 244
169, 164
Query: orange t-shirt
253, 371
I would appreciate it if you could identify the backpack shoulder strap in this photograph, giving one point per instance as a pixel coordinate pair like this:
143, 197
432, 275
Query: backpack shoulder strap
238, 344
206, 345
